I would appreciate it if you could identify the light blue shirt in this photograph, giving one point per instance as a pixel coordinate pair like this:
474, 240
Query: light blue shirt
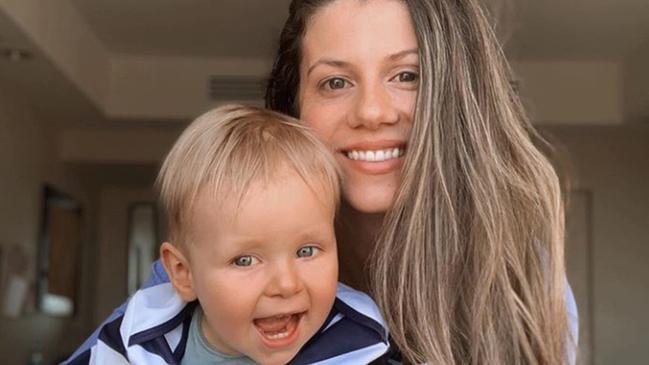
199, 351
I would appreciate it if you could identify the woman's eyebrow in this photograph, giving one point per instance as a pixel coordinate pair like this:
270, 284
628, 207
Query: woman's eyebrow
328, 62
402, 54
338, 63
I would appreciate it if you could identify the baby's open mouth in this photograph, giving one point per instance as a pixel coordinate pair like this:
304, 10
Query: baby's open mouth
278, 329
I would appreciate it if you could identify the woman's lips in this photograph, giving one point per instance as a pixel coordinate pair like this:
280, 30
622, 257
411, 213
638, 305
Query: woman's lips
374, 161
279, 331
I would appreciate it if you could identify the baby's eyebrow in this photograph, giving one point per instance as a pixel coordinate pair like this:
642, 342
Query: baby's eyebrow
247, 242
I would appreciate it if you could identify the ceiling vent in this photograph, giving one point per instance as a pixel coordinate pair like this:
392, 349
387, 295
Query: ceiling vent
235, 88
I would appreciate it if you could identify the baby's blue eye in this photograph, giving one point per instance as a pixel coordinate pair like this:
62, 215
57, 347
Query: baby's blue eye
244, 260
306, 251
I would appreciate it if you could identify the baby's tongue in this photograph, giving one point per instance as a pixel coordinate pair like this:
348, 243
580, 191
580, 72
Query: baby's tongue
273, 324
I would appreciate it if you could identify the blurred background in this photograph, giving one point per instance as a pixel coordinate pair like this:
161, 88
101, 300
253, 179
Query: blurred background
94, 92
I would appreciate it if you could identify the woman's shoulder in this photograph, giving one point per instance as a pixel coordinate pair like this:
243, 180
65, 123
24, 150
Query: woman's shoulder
573, 324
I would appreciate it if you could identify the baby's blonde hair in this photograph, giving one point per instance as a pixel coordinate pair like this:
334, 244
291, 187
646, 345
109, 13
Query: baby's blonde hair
230, 147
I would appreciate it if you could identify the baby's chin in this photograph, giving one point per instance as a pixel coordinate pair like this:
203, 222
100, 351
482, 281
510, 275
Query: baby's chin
275, 358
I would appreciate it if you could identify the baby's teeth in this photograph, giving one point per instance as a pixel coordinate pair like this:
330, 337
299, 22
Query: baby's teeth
277, 336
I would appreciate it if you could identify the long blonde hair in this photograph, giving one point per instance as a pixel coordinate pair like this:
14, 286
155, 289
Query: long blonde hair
469, 268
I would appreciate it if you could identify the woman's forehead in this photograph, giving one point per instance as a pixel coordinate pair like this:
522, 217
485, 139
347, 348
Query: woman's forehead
356, 29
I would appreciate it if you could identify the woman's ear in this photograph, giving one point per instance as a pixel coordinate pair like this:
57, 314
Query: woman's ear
177, 267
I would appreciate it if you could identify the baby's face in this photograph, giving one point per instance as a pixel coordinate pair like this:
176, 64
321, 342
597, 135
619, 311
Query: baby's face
264, 271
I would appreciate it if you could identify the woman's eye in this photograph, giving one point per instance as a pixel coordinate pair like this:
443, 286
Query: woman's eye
335, 83
306, 251
244, 261
407, 76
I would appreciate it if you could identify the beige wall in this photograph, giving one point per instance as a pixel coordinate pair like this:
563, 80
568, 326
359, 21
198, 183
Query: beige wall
636, 78
172, 87
612, 163
572, 93
133, 146
26, 163
113, 245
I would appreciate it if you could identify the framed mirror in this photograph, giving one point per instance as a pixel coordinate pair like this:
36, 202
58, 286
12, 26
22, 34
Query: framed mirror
57, 278
142, 242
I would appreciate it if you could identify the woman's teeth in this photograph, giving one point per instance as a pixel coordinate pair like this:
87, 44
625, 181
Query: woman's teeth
375, 156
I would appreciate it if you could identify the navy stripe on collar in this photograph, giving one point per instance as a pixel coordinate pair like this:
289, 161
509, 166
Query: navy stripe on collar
160, 346
164, 328
360, 318
342, 337
111, 336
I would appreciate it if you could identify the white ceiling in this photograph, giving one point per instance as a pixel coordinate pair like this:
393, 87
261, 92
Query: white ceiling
540, 29
199, 28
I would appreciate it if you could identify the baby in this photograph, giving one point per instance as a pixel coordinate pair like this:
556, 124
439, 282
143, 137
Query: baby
250, 196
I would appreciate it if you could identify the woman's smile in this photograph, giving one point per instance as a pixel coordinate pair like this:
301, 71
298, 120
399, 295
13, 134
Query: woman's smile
373, 158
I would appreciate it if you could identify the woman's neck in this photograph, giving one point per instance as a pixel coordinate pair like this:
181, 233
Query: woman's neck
356, 233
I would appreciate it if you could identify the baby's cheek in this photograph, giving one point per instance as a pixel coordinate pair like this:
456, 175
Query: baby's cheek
329, 283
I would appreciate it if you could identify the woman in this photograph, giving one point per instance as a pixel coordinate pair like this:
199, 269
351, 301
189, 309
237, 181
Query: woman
472, 242
452, 218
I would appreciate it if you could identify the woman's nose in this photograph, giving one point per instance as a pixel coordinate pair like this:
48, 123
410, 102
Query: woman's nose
285, 281
374, 107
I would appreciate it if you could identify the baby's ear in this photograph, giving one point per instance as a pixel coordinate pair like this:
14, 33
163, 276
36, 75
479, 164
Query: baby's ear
177, 267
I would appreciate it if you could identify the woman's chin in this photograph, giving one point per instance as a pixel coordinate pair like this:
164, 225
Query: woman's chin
369, 201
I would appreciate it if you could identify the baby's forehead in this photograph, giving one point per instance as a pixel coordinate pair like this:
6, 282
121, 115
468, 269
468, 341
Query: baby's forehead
233, 192
288, 206
228, 203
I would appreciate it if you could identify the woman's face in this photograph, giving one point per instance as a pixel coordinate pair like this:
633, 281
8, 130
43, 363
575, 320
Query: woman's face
358, 85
